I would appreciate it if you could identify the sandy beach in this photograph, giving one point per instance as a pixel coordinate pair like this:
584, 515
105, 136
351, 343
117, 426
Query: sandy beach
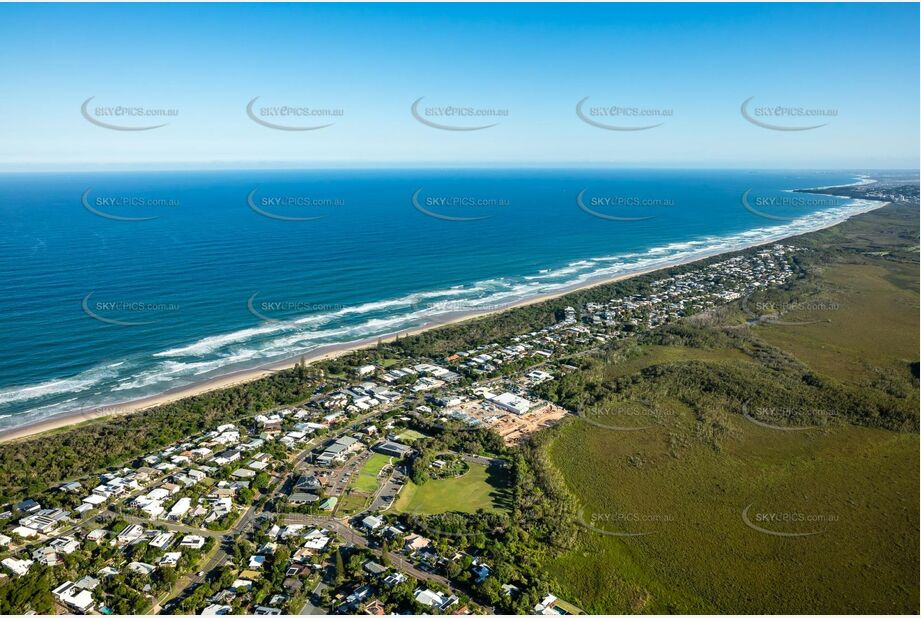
331, 351
248, 375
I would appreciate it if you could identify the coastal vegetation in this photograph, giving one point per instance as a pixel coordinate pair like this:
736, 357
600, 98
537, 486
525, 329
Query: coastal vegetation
33, 464
534, 521
805, 424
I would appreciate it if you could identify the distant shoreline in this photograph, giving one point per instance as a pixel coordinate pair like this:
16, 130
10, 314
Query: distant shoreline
66, 419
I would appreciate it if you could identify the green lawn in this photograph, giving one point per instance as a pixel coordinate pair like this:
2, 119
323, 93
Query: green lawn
351, 504
409, 436
367, 479
479, 488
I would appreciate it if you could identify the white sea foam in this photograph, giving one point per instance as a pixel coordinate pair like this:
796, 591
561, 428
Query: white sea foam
292, 337
75, 384
859, 181
217, 342
219, 354
209, 344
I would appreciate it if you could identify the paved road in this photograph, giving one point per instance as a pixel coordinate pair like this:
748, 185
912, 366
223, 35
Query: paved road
389, 490
243, 525
104, 511
483, 461
143, 521
220, 556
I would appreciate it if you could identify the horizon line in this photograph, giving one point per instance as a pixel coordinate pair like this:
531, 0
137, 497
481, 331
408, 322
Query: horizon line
189, 166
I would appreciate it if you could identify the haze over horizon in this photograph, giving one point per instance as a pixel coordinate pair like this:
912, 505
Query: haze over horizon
691, 67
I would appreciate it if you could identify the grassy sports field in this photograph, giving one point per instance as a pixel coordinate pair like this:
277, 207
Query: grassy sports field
480, 488
367, 479
409, 436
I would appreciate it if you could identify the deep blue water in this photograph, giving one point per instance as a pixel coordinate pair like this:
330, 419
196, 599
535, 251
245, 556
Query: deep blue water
98, 310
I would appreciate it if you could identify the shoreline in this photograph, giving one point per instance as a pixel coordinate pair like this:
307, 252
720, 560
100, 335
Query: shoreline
329, 351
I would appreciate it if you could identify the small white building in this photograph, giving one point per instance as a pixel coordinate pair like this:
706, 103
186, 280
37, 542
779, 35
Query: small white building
17, 567
192, 541
141, 568
372, 523
72, 596
162, 540
366, 370
216, 610
130, 534
512, 403
179, 509
65, 544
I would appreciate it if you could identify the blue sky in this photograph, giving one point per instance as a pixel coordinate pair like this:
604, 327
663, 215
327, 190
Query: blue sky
534, 60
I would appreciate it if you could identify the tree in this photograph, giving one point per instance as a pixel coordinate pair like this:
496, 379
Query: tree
340, 568
245, 495
261, 480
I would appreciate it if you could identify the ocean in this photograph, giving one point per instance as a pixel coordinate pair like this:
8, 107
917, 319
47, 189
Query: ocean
118, 286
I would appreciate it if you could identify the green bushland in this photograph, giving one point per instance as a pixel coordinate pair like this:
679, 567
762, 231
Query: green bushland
701, 557
841, 459
868, 331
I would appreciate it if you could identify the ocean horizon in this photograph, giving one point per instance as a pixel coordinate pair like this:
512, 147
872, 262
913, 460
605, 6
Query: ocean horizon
119, 286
